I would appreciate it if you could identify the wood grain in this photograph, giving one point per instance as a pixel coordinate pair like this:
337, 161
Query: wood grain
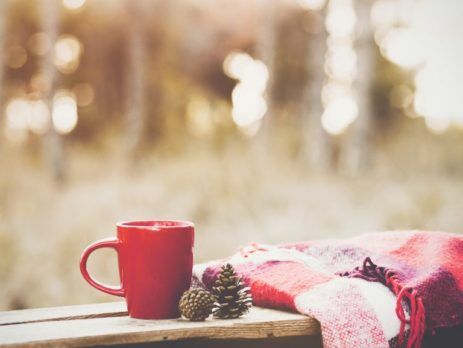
259, 323
109, 309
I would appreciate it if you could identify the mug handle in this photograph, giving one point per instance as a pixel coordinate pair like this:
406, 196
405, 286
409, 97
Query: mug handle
103, 243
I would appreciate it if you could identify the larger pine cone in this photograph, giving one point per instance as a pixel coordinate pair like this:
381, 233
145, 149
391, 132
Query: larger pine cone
232, 298
196, 304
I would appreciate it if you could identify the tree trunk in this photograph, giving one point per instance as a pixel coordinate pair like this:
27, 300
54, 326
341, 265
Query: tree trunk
265, 51
316, 146
3, 15
359, 144
52, 141
135, 80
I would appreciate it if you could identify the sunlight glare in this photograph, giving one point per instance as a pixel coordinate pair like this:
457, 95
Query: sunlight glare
428, 48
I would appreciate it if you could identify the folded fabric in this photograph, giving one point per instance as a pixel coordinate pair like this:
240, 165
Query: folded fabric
381, 289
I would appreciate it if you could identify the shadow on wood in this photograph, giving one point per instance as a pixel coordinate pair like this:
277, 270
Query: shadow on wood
314, 341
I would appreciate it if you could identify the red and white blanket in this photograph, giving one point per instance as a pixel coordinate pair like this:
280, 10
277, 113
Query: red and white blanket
376, 290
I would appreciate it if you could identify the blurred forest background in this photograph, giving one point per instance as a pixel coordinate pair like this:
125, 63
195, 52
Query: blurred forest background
259, 120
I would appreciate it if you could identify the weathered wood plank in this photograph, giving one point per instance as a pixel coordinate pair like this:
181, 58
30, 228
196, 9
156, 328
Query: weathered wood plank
259, 323
269, 342
109, 309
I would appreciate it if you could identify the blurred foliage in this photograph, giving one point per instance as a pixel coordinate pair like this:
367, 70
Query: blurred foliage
186, 47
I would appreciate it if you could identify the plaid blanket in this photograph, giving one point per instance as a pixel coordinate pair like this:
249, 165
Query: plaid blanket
376, 290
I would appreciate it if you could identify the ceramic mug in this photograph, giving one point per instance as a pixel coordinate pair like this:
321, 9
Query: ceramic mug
155, 266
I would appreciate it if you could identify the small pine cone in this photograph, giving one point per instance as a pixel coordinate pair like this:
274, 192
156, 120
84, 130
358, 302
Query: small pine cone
196, 304
232, 298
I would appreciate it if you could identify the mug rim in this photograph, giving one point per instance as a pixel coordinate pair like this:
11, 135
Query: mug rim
151, 224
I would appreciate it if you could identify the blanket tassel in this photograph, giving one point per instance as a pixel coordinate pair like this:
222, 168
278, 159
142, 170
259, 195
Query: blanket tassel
417, 320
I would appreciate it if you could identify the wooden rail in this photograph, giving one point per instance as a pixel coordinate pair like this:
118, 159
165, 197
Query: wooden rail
108, 324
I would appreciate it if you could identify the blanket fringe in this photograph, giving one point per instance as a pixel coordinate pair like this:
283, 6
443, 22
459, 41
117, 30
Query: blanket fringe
417, 320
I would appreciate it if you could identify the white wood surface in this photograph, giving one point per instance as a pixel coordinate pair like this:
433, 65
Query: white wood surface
107, 324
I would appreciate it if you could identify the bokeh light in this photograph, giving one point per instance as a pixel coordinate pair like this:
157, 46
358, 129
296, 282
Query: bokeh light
67, 54
73, 4
39, 117
400, 48
84, 93
341, 18
199, 120
313, 5
418, 44
341, 63
236, 64
64, 114
334, 90
340, 67
249, 105
339, 114
243, 67
15, 56
437, 125
384, 13
17, 113
23, 114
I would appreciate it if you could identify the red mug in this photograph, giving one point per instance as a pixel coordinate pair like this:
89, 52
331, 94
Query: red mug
155, 266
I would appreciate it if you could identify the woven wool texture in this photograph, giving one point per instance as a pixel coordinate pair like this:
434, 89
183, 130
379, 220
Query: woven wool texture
382, 289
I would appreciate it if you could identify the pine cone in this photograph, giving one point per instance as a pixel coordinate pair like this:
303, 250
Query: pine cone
196, 304
232, 298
